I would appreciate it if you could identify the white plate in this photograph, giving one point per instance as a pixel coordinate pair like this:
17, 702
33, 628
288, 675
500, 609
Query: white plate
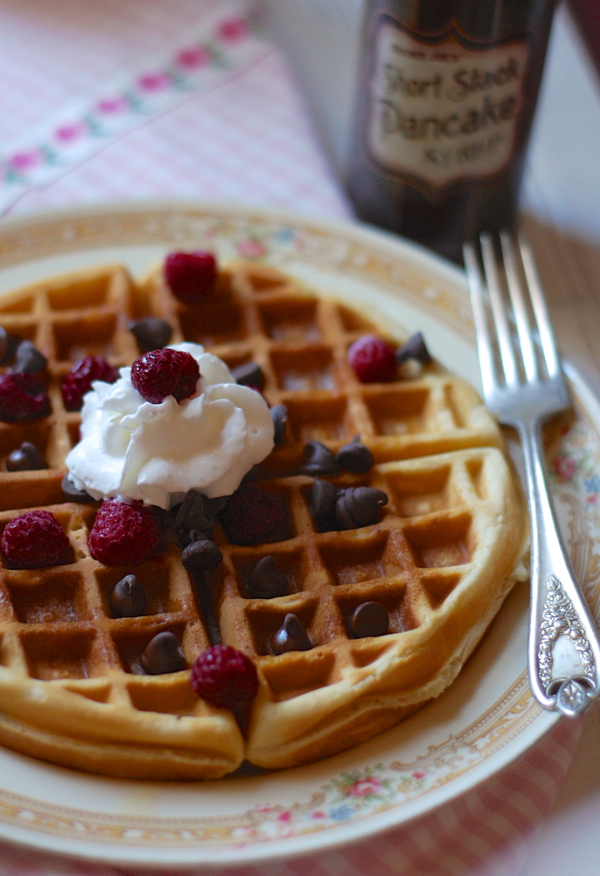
485, 720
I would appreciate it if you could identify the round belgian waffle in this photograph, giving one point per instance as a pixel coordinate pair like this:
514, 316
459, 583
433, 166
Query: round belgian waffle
448, 546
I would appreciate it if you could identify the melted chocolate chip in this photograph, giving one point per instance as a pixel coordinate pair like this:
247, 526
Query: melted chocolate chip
279, 417
267, 580
321, 504
201, 554
72, 493
414, 348
358, 506
8, 347
151, 333
250, 374
162, 654
28, 359
319, 460
204, 588
355, 457
128, 598
26, 458
369, 619
196, 512
291, 636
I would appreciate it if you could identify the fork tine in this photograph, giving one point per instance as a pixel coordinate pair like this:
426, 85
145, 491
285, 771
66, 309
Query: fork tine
544, 326
484, 341
515, 288
493, 283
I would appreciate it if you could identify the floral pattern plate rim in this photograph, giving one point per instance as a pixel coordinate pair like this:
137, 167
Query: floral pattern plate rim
484, 721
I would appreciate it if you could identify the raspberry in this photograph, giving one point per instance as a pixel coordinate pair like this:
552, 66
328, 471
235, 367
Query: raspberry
79, 380
252, 516
125, 534
22, 397
160, 373
373, 359
191, 276
224, 677
35, 539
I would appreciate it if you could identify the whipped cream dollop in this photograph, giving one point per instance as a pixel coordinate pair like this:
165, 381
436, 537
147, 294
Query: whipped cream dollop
132, 449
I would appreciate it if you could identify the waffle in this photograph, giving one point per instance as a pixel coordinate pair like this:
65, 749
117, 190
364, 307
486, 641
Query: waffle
449, 545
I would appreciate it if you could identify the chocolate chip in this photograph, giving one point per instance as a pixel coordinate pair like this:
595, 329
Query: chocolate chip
162, 654
321, 504
252, 474
26, 458
166, 517
355, 457
414, 348
128, 598
216, 505
72, 493
369, 619
358, 506
291, 636
267, 580
319, 460
201, 555
8, 347
279, 417
249, 374
196, 512
28, 359
151, 333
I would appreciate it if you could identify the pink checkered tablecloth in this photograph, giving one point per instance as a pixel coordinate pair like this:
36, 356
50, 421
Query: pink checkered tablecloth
151, 99
186, 98
489, 831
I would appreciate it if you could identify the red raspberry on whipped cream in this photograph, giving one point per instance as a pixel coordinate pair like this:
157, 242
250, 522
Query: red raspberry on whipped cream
156, 450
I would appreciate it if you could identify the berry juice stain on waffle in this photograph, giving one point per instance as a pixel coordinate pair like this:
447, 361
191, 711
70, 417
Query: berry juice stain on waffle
238, 522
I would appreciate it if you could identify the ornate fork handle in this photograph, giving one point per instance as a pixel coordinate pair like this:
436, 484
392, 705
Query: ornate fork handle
523, 385
564, 649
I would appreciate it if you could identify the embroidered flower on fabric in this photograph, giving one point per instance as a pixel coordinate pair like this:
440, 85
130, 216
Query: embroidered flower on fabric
233, 30
112, 105
25, 160
153, 82
193, 58
67, 134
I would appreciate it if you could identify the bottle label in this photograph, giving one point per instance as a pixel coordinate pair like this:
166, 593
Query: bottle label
443, 109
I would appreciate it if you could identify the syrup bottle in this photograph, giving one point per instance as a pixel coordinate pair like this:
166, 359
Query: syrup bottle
444, 110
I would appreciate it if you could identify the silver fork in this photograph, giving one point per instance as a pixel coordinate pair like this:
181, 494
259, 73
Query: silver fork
523, 386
